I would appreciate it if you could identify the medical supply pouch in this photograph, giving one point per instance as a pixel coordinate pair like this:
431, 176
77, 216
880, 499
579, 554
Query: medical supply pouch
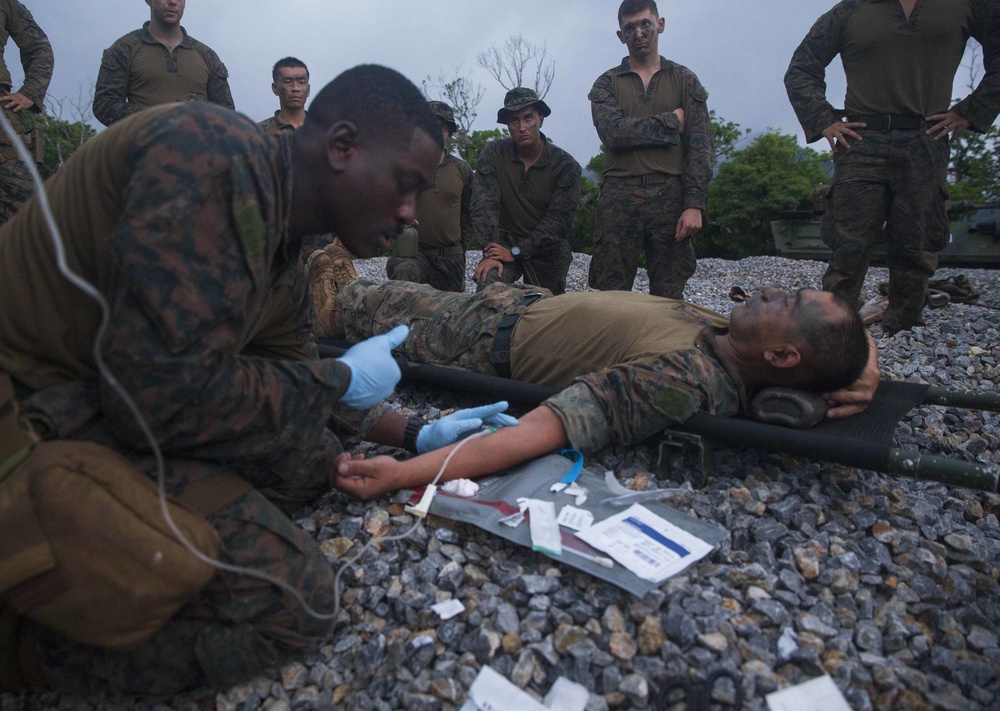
84, 546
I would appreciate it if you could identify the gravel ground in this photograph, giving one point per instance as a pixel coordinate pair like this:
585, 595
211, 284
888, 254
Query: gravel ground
886, 584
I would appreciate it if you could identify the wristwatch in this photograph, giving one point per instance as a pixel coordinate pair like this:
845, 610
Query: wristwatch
515, 251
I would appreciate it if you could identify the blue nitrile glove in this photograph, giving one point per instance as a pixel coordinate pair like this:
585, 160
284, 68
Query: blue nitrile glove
461, 423
374, 373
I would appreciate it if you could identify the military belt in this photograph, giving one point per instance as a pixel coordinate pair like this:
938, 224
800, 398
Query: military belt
643, 180
449, 251
890, 122
504, 334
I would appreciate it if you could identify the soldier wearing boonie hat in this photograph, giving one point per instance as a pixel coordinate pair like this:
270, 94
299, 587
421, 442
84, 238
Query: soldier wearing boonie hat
432, 251
525, 199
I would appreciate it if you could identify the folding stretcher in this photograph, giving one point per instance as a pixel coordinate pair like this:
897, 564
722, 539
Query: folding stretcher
864, 440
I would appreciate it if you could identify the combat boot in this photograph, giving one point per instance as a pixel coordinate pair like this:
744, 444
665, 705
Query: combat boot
328, 271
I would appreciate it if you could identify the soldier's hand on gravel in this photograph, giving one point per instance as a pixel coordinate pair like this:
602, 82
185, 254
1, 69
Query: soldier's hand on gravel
461, 423
374, 372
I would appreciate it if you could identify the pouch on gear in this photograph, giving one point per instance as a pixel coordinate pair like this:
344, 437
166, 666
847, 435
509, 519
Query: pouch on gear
84, 547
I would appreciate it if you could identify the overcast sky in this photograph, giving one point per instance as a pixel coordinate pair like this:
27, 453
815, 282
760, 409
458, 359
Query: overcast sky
738, 48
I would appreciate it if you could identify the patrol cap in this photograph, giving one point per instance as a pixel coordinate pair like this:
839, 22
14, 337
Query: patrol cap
517, 99
445, 113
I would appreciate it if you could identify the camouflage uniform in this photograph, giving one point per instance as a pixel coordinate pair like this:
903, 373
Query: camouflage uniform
533, 210
179, 217
444, 229
138, 72
652, 173
272, 124
893, 182
17, 24
310, 244
622, 392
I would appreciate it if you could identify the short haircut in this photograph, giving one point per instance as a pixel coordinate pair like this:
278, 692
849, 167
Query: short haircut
839, 348
634, 7
287, 62
380, 102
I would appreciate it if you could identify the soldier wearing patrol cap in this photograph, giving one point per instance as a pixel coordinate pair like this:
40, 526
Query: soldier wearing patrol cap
432, 250
524, 200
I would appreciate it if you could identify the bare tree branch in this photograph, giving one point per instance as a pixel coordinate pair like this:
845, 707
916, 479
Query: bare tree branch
458, 91
508, 63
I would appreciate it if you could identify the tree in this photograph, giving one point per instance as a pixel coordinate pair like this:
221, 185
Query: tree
460, 92
508, 63
974, 167
468, 150
770, 176
726, 136
62, 137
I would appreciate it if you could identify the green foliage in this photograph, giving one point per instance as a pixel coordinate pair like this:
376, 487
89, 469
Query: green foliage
581, 239
974, 169
726, 136
770, 176
468, 145
61, 139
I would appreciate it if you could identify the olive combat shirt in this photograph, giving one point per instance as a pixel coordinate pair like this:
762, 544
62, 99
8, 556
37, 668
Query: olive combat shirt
138, 72
896, 65
178, 216
273, 124
649, 362
443, 209
639, 128
535, 207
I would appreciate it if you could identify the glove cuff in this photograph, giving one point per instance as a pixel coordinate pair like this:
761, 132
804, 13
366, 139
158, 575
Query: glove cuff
413, 426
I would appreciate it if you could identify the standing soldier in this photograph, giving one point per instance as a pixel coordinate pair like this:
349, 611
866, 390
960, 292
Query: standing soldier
652, 118
524, 200
433, 251
36, 58
290, 83
890, 143
158, 64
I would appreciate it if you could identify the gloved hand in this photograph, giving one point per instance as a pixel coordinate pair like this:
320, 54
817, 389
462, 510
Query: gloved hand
374, 373
461, 423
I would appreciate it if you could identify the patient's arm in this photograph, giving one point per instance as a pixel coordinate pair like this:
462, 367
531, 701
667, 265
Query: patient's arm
858, 396
539, 432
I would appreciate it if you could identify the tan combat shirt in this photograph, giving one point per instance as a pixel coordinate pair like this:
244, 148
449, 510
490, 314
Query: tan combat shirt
443, 209
591, 327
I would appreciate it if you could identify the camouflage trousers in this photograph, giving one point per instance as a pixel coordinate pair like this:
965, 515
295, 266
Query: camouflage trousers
442, 271
445, 328
890, 184
632, 219
236, 627
547, 270
17, 188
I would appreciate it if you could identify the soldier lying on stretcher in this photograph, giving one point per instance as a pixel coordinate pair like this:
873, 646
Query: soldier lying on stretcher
630, 364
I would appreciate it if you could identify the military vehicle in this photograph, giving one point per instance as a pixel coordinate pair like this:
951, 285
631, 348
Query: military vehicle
974, 241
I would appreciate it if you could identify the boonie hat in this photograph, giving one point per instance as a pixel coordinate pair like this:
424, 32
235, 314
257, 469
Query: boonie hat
518, 98
445, 113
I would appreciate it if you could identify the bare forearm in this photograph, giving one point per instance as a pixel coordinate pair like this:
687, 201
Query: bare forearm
539, 432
